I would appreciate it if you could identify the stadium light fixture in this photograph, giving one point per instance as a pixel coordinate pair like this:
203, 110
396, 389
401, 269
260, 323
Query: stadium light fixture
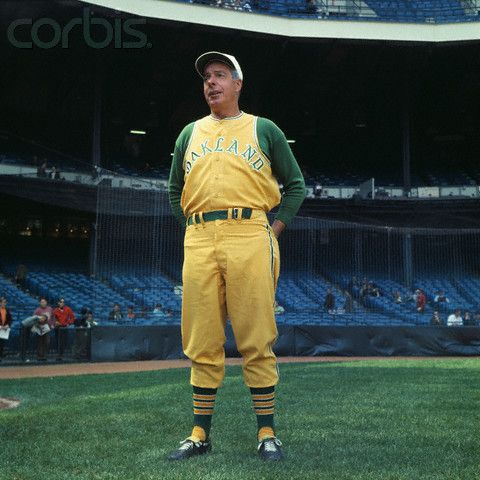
291, 141
138, 132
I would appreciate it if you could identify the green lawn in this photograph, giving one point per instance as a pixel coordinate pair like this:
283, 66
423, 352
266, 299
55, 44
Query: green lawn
378, 419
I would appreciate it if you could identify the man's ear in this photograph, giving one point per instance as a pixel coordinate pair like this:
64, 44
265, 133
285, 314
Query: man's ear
239, 85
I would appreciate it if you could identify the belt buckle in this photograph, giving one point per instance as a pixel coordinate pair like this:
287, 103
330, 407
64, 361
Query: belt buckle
235, 213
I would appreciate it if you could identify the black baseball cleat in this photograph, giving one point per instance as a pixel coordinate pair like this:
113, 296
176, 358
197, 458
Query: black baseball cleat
269, 449
188, 448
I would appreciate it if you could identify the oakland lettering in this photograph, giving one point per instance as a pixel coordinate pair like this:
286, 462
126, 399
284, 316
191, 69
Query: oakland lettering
248, 153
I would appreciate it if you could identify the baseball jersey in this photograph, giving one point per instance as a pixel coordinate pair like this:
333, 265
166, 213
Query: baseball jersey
234, 162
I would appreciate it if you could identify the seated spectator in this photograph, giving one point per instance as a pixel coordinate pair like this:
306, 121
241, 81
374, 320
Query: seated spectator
455, 319
348, 304
397, 298
436, 320
169, 312
440, 297
130, 313
64, 317
421, 301
145, 312
329, 303
116, 314
42, 170
364, 288
279, 310
235, 5
411, 297
373, 290
85, 320
476, 319
90, 320
468, 319
5, 323
158, 311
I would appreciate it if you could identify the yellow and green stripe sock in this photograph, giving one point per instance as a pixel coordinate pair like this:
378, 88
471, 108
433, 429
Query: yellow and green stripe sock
264, 406
203, 405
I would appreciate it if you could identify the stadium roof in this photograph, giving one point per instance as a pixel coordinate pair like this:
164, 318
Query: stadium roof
295, 27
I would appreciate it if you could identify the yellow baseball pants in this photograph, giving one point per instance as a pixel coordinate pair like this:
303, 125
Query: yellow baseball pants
230, 270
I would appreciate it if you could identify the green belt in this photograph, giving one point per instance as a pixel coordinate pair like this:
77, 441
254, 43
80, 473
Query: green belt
220, 215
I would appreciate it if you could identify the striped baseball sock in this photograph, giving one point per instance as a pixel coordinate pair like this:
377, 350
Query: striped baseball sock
203, 403
264, 405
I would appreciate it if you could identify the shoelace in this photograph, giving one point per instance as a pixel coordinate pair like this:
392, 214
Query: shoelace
270, 444
187, 444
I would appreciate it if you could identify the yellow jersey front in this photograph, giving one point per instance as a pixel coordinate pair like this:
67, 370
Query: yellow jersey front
225, 167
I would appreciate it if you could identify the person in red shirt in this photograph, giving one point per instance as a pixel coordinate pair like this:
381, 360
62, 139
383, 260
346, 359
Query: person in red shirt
64, 317
421, 301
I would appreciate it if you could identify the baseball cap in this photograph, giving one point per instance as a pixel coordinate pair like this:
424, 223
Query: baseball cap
203, 60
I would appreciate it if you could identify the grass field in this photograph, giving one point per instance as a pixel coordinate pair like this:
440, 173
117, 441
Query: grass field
376, 419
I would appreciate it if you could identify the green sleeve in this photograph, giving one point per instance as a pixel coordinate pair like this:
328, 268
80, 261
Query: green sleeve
284, 166
175, 181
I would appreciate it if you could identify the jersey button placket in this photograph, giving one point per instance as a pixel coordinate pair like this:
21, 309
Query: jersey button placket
216, 167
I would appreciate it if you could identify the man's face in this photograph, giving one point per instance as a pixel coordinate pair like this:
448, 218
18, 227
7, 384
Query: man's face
43, 303
61, 303
219, 87
3, 303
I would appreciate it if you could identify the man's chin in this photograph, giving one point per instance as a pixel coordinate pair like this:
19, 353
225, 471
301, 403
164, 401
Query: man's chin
214, 102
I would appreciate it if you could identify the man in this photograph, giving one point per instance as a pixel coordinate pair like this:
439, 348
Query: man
397, 297
348, 304
45, 311
223, 180
115, 314
158, 311
329, 303
64, 317
421, 301
82, 325
468, 320
440, 297
39, 325
455, 319
436, 320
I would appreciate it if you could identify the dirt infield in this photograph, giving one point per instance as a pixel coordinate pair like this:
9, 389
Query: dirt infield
148, 365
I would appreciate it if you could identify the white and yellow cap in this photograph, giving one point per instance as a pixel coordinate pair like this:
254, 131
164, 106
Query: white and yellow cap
203, 60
